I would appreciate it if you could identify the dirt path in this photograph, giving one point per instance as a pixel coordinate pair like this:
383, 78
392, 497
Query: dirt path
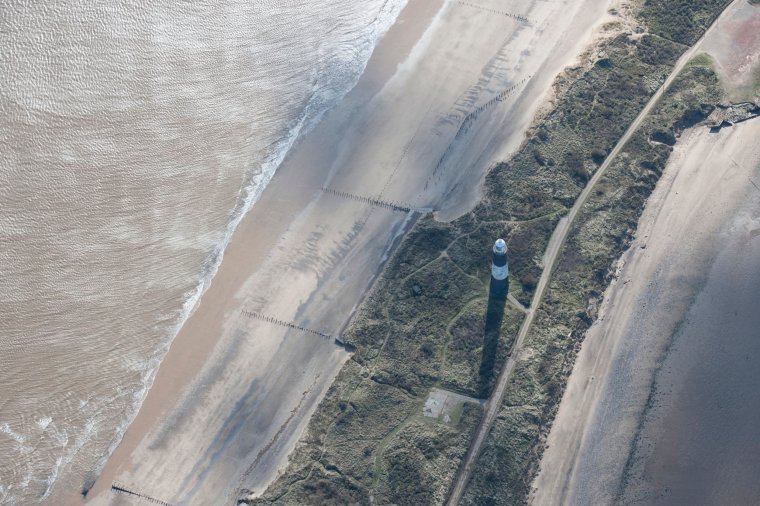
556, 243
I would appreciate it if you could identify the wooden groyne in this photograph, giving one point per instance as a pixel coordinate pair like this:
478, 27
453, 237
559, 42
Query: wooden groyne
118, 488
384, 204
282, 323
467, 121
516, 17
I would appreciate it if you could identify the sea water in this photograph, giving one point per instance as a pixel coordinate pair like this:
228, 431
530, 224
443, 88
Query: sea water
133, 138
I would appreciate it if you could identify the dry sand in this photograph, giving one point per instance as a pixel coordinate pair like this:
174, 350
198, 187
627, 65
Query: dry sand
234, 393
681, 323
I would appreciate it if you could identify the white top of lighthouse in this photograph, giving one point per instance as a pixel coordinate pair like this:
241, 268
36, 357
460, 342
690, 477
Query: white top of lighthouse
500, 265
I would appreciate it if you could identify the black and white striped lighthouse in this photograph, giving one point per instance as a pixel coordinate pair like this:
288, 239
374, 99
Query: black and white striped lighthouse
500, 269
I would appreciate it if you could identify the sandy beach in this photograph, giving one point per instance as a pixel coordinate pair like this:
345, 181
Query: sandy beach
699, 442
235, 392
660, 406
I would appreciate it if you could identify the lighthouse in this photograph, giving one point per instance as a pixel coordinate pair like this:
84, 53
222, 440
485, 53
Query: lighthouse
500, 269
497, 301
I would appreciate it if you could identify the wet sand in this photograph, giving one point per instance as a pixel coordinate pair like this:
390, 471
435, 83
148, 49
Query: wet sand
686, 284
234, 392
700, 441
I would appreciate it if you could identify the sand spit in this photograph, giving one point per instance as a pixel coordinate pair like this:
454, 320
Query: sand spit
235, 391
680, 292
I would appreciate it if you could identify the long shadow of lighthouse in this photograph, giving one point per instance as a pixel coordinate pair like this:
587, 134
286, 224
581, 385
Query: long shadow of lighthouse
497, 301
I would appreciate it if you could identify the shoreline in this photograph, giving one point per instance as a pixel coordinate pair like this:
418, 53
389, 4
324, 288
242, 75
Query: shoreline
176, 410
181, 365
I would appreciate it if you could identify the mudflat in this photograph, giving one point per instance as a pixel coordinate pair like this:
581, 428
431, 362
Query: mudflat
699, 442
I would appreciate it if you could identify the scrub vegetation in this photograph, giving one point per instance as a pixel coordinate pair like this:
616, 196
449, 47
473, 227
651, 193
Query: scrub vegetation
682, 21
423, 324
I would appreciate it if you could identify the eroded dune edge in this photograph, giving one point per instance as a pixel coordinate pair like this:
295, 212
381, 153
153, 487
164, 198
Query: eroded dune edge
380, 435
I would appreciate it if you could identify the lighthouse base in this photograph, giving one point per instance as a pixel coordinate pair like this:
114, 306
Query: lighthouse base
499, 287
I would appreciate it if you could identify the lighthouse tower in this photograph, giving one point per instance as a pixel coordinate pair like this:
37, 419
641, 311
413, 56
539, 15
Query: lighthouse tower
500, 269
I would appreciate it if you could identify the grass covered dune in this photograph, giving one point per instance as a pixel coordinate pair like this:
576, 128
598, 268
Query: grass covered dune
422, 326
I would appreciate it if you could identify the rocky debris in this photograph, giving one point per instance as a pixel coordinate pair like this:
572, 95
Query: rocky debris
727, 115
